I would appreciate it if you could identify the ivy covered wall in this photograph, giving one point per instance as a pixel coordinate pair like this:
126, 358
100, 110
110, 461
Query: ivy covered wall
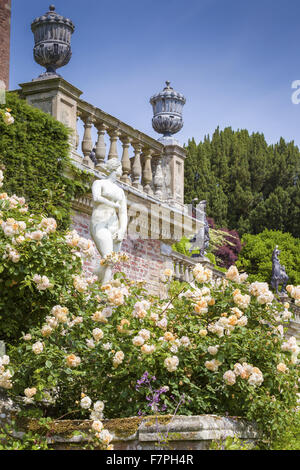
34, 153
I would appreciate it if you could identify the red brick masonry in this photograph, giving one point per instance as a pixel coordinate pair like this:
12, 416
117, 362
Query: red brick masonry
5, 15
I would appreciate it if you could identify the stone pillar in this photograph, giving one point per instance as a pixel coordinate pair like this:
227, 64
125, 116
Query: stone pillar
57, 97
5, 17
174, 159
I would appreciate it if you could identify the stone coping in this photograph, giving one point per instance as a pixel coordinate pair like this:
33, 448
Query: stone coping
138, 433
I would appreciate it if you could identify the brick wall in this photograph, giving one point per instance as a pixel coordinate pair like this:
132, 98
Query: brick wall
5, 15
145, 260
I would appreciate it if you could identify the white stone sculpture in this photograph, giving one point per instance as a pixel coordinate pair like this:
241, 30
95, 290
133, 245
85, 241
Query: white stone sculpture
109, 218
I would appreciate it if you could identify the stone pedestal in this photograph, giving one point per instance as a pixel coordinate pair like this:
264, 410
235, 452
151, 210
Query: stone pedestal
57, 97
175, 156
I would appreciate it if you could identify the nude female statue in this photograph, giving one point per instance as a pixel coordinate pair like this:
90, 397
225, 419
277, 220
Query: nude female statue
109, 218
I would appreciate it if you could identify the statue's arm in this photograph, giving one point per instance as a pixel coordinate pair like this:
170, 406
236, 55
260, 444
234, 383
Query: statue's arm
97, 196
123, 220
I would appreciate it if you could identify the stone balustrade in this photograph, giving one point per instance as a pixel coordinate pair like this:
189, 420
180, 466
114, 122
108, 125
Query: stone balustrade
149, 166
184, 265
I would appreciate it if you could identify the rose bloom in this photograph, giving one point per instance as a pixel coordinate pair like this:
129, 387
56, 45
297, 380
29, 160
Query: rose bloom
229, 377
138, 341
238, 369
99, 406
90, 343
168, 272
242, 321
97, 426
37, 235
168, 336
233, 274
147, 349
236, 311
27, 337
119, 357
85, 403
212, 365
163, 323
49, 225
30, 392
171, 363
281, 367
145, 334
46, 331
232, 319
115, 296
105, 436
213, 350
242, 301
153, 316
97, 334
37, 347
203, 333
99, 317
73, 360
185, 341
256, 379
201, 306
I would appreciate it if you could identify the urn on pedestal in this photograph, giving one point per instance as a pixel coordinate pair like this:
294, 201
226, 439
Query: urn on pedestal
52, 36
167, 109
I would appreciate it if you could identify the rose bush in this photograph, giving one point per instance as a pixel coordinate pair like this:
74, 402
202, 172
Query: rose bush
39, 266
218, 342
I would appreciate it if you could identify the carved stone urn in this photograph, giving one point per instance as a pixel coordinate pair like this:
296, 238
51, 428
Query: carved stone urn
167, 109
52, 36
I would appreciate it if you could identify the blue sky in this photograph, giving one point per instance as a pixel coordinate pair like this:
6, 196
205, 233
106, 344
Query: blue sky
234, 60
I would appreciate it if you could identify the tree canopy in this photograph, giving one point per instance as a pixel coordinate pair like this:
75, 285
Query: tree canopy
248, 184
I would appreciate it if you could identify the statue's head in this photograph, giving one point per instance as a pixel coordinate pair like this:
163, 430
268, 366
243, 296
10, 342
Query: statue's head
112, 166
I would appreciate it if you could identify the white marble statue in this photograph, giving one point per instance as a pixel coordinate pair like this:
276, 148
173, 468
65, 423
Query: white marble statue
109, 218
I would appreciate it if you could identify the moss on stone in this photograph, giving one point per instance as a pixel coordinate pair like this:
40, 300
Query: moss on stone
121, 427
152, 420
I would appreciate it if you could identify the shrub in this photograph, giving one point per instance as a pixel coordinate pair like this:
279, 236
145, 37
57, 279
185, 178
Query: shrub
35, 154
218, 344
256, 255
37, 268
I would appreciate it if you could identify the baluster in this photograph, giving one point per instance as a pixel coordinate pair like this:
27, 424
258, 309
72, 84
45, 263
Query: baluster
147, 171
187, 274
177, 271
87, 143
136, 170
76, 137
101, 145
113, 151
158, 179
181, 271
126, 166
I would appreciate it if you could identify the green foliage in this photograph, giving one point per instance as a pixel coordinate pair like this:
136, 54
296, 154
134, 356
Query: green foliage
290, 438
256, 255
248, 184
183, 246
205, 390
30, 246
35, 154
232, 443
14, 438
108, 368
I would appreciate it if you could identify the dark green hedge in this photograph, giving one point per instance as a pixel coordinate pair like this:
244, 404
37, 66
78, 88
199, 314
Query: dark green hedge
34, 152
